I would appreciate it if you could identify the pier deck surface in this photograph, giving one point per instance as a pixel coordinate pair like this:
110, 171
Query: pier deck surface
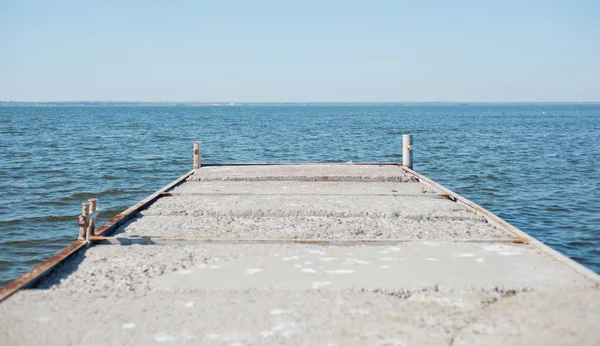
389, 261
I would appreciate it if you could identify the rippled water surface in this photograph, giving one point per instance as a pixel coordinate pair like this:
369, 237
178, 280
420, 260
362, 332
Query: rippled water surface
536, 166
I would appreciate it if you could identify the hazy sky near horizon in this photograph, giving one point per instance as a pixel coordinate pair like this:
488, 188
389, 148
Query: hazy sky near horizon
276, 51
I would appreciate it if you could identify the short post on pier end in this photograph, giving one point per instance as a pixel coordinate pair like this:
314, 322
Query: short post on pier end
197, 155
92, 220
407, 151
82, 222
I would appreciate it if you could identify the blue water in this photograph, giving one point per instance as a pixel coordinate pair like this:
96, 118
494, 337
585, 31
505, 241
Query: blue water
536, 166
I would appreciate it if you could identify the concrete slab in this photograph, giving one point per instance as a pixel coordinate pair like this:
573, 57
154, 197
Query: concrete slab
566, 318
303, 188
302, 317
405, 266
233, 227
320, 172
412, 207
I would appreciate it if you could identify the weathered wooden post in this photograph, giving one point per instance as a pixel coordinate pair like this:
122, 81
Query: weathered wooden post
407, 151
83, 220
197, 154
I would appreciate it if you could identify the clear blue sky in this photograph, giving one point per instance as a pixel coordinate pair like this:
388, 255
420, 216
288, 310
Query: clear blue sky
301, 50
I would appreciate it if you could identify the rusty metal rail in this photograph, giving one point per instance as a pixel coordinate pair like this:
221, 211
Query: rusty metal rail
34, 275
299, 163
149, 240
502, 224
405, 195
118, 220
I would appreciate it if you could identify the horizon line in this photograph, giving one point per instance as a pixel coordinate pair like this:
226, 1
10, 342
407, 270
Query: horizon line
302, 102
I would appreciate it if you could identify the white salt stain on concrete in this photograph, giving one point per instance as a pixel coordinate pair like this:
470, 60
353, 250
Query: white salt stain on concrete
503, 250
308, 270
278, 311
163, 337
278, 327
509, 253
288, 333
187, 336
341, 271
360, 312
215, 266
251, 271
433, 259
394, 248
328, 259
267, 333
395, 342
212, 336
308, 262
428, 243
188, 304
289, 258
383, 252
237, 337
355, 261
128, 325
384, 267
479, 260
493, 248
496, 248
388, 259
201, 266
285, 329
316, 252
297, 265
184, 272
319, 284
466, 255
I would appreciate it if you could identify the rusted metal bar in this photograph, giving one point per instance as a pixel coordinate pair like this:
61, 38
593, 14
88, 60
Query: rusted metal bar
149, 240
502, 224
415, 195
118, 220
299, 163
447, 196
32, 276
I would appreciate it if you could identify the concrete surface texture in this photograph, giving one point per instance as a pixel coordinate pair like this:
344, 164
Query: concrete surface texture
315, 172
451, 279
302, 317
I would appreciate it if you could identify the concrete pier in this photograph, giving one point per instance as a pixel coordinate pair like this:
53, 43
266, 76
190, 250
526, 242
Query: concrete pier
307, 254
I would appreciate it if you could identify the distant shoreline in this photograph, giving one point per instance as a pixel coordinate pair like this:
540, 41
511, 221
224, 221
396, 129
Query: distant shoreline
263, 104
